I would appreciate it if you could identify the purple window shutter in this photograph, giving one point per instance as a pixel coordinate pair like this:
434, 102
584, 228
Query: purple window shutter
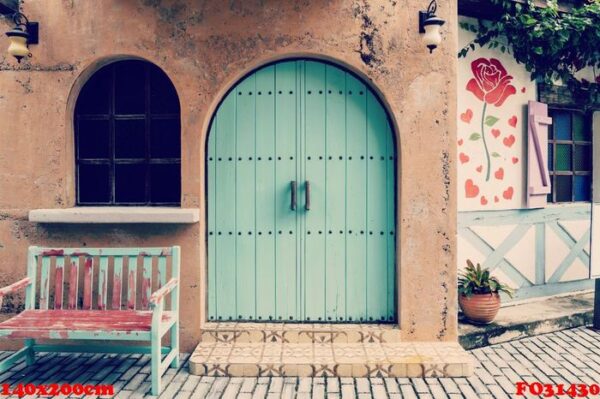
538, 178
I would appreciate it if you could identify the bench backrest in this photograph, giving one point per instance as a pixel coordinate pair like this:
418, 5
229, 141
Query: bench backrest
99, 278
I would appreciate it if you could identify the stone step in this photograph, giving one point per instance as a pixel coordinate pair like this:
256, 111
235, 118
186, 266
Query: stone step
528, 319
228, 332
333, 359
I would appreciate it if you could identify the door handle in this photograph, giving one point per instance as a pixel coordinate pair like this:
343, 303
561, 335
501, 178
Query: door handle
293, 185
307, 195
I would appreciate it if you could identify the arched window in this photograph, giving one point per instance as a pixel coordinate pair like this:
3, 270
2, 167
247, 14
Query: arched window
127, 137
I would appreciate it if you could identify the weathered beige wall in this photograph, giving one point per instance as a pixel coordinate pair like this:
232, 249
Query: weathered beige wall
205, 46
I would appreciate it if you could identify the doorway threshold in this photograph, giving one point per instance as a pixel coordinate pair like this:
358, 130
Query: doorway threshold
317, 350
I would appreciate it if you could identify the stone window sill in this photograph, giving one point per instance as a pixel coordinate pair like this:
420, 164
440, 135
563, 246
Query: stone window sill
115, 215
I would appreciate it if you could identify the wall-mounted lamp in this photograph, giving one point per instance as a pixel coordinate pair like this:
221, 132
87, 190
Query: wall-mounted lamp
430, 25
23, 34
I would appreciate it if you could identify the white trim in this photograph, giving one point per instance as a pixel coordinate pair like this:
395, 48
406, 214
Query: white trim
110, 214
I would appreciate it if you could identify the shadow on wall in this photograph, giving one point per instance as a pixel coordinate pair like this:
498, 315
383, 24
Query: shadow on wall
112, 234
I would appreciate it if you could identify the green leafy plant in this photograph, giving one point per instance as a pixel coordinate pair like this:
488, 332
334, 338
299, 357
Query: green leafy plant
550, 42
477, 280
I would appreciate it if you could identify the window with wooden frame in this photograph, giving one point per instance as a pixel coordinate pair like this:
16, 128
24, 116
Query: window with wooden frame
127, 137
570, 156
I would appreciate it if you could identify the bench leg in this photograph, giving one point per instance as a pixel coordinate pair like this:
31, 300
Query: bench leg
9, 361
155, 365
175, 344
30, 356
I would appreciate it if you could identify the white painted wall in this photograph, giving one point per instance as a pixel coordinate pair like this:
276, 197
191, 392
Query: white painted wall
509, 171
506, 138
595, 266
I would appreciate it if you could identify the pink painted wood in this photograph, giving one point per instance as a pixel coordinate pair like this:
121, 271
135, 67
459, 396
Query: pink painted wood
87, 284
11, 289
44, 282
159, 294
102, 283
40, 323
538, 178
73, 279
117, 283
58, 288
99, 286
14, 287
131, 279
145, 288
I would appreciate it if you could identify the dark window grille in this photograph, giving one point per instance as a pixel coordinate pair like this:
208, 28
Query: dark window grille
128, 137
570, 156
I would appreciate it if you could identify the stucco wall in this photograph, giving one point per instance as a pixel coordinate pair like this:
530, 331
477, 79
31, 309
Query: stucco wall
204, 47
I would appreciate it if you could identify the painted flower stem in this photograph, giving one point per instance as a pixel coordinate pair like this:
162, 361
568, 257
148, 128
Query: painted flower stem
487, 152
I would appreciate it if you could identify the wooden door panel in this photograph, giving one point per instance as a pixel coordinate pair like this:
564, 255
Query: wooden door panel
266, 199
246, 233
335, 208
314, 277
286, 222
356, 200
377, 217
301, 121
225, 254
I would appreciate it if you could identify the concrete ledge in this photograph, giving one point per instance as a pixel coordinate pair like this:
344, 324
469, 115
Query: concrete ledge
115, 215
529, 319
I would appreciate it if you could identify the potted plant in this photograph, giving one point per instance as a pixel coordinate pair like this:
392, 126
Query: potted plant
479, 294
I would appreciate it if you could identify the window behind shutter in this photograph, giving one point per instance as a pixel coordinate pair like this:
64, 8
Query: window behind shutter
538, 178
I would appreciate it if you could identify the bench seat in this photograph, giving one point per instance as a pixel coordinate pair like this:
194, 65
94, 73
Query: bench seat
83, 324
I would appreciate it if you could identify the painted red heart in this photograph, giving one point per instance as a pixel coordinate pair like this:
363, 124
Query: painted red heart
499, 174
509, 141
496, 132
464, 158
479, 168
471, 190
496, 199
508, 193
513, 121
483, 200
523, 89
460, 142
515, 160
467, 116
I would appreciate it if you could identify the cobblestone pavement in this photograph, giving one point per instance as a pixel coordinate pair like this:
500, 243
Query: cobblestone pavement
569, 356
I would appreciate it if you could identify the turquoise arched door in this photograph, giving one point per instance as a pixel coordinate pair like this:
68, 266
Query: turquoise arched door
301, 199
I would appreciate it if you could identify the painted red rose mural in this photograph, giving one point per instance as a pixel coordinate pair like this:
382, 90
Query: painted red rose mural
490, 150
491, 85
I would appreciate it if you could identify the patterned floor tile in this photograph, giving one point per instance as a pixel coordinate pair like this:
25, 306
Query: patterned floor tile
325, 350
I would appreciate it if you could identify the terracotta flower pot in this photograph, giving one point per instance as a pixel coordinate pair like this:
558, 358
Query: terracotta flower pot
480, 308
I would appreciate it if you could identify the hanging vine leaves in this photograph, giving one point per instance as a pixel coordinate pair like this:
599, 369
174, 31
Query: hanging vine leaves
551, 44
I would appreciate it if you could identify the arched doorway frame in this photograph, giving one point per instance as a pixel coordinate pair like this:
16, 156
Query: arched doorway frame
363, 78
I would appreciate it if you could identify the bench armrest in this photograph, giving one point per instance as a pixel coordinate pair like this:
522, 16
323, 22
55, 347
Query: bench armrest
10, 289
159, 295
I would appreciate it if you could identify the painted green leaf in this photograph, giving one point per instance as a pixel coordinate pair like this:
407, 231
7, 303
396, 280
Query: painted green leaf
474, 136
490, 120
495, 155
